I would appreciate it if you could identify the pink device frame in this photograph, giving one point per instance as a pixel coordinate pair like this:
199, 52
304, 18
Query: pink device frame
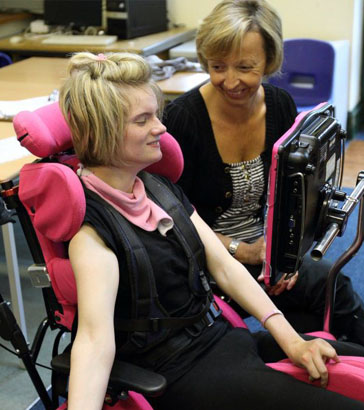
271, 195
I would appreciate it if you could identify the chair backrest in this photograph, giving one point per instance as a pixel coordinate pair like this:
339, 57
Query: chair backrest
307, 72
53, 196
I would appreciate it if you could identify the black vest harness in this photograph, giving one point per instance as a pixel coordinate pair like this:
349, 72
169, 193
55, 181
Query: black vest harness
149, 323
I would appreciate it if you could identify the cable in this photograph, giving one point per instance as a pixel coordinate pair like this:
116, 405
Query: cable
15, 354
9, 350
44, 366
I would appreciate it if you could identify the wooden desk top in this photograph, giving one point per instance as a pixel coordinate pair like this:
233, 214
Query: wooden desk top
10, 170
32, 77
181, 82
39, 76
146, 45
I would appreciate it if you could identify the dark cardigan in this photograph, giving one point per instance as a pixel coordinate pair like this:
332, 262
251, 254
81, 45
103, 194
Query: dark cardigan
206, 179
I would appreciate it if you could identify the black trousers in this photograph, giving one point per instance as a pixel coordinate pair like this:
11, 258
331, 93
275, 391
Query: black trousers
304, 305
233, 376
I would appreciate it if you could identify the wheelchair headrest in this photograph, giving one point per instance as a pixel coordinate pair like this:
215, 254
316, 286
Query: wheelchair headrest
54, 199
44, 132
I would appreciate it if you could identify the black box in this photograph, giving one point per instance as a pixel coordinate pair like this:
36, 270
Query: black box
135, 18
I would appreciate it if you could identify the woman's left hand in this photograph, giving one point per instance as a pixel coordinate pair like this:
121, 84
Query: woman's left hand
282, 285
313, 355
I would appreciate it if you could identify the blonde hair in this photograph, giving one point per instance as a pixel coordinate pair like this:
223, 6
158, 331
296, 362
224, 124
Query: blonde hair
223, 30
95, 101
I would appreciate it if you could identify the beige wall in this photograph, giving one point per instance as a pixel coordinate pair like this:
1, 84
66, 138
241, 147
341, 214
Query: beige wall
322, 19
189, 12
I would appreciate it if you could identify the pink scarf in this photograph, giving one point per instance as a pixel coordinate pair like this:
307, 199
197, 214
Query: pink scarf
136, 207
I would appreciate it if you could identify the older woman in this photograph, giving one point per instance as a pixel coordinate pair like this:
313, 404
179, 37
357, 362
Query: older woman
227, 129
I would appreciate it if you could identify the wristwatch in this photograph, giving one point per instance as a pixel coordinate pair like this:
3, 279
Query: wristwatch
233, 247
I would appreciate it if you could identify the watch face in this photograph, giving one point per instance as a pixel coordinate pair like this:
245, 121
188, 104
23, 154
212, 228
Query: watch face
233, 246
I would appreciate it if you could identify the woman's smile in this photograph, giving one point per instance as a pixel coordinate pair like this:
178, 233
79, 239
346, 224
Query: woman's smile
154, 143
235, 94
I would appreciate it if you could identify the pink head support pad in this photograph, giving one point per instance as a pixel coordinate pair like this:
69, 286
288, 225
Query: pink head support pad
54, 199
45, 132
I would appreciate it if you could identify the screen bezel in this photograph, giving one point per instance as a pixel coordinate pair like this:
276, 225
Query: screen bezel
288, 168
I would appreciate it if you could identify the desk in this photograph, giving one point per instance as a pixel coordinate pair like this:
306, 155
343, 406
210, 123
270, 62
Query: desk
10, 170
181, 82
32, 77
39, 76
146, 45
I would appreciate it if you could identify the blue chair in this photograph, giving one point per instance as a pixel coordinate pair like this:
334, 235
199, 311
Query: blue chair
315, 71
307, 71
4, 59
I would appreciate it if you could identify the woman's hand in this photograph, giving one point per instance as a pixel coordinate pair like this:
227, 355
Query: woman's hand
251, 253
247, 253
313, 355
282, 285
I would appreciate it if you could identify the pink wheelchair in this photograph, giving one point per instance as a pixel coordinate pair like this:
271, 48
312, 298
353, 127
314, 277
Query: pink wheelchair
39, 201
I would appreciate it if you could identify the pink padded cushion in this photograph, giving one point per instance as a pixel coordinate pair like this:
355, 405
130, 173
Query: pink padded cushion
63, 280
229, 314
54, 198
346, 377
45, 132
172, 163
64, 286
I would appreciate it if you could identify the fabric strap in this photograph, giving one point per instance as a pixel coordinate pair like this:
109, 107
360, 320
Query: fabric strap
141, 275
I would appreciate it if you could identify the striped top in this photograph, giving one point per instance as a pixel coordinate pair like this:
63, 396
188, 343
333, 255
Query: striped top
242, 219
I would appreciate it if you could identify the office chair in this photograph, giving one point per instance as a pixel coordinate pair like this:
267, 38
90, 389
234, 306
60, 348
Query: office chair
47, 223
307, 71
4, 59
315, 71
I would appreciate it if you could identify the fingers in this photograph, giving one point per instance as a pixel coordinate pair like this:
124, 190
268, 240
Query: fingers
259, 246
283, 284
279, 287
315, 358
320, 369
335, 358
292, 281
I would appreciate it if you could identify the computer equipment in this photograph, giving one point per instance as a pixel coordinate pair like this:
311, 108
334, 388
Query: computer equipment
135, 18
304, 187
73, 13
92, 40
124, 18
